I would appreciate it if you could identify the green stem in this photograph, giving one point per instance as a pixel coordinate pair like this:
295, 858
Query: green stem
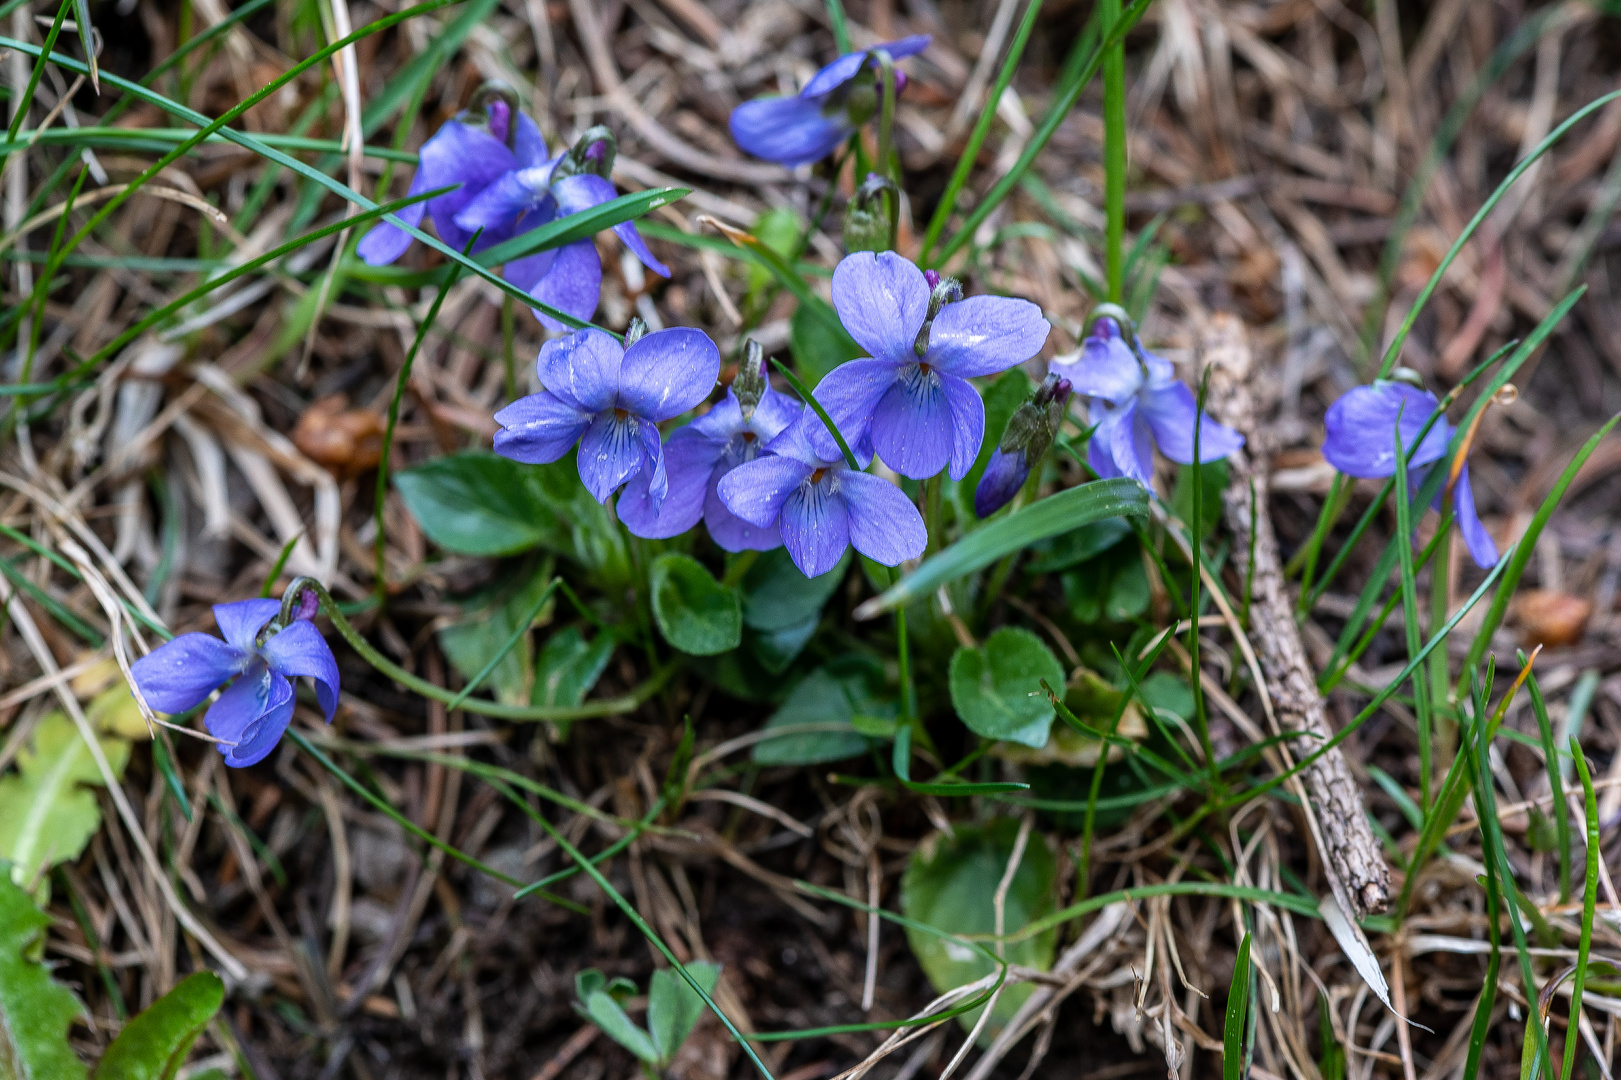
933, 492
816, 406
509, 356
886, 111
606, 707
1114, 153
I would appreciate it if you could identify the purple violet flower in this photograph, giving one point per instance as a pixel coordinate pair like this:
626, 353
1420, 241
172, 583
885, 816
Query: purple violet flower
1140, 403
1361, 442
610, 399
912, 402
838, 99
697, 457
821, 505
509, 186
248, 718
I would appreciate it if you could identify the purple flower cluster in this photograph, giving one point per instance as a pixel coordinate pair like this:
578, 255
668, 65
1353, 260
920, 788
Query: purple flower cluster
248, 718
1139, 403
836, 101
505, 184
1361, 441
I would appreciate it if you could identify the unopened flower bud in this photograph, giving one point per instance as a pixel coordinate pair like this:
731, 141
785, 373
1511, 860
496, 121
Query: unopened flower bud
750, 383
1028, 437
493, 107
869, 218
593, 152
1407, 375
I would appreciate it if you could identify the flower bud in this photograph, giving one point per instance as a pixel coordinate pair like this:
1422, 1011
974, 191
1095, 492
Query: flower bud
593, 152
750, 383
869, 217
493, 107
1029, 435
635, 331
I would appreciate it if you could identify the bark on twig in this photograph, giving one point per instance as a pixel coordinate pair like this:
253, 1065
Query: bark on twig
1356, 868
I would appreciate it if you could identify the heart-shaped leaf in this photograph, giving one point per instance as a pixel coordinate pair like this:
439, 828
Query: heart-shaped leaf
695, 613
997, 690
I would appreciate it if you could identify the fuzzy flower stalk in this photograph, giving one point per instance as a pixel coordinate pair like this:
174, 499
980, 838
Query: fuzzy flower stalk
1361, 441
505, 183
1137, 404
1028, 437
261, 655
608, 400
808, 126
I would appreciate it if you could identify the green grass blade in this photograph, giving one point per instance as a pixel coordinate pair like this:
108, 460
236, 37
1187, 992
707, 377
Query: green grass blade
1068, 509
1068, 93
26, 99
1409, 603
1584, 945
511, 643
1238, 1004
982, 128
1396, 343
1527, 544
1556, 785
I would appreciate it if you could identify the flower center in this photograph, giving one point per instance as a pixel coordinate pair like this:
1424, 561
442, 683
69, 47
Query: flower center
816, 477
923, 368
621, 415
748, 436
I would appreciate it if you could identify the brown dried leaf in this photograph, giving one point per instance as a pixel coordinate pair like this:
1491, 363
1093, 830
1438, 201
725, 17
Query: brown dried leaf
347, 441
1552, 618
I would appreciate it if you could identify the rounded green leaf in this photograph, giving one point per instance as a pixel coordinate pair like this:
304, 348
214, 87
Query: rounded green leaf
478, 503
950, 885
997, 690
35, 1009
695, 613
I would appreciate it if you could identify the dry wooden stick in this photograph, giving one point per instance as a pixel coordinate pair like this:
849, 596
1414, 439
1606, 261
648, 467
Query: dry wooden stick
1356, 868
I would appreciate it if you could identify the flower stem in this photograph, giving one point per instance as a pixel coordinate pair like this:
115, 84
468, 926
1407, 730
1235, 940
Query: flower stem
933, 491
903, 657
886, 110
1114, 153
508, 355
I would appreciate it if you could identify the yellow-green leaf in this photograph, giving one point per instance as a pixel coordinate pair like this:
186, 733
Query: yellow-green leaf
46, 814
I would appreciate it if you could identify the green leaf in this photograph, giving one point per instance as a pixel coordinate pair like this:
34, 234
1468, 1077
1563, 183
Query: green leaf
1213, 475
479, 503
673, 1007
154, 1045
569, 666
776, 595
485, 628
1238, 1000
695, 613
46, 814
1051, 516
1162, 690
831, 699
1078, 546
779, 229
776, 649
818, 341
1002, 399
997, 690
610, 1016
951, 884
35, 1010
1112, 587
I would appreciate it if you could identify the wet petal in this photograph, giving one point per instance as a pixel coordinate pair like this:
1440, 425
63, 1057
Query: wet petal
301, 650
1105, 368
502, 201
789, 130
180, 674
755, 491
884, 525
658, 480
1481, 546
1360, 427
689, 461
815, 527
732, 533
984, 335
260, 734
470, 157
526, 271
850, 393
610, 453
539, 428
1004, 475
1121, 445
667, 372
882, 300
240, 622
723, 420
773, 415
1170, 411
572, 284
582, 369
911, 426
967, 423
